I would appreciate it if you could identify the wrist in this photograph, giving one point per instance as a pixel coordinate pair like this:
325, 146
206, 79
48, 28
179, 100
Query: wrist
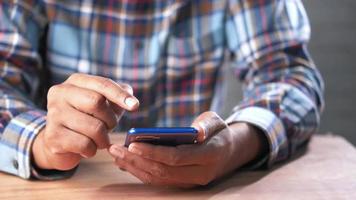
39, 158
251, 143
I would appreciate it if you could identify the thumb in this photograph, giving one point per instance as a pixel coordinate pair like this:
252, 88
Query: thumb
208, 124
120, 111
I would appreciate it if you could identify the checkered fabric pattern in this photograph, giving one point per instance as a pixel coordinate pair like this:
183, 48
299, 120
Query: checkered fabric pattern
172, 53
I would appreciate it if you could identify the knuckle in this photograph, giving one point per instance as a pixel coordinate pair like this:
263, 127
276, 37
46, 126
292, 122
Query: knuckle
99, 127
127, 88
95, 100
147, 179
73, 77
86, 144
112, 123
51, 141
105, 83
54, 149
120, 163
124, 157
54, 118
120, 94
56, 94
53, 91
160, 171
129, 160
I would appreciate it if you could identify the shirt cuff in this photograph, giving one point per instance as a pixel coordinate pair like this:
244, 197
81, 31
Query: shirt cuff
270, 125
16, 142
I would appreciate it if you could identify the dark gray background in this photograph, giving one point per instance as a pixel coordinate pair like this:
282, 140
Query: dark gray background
333, 48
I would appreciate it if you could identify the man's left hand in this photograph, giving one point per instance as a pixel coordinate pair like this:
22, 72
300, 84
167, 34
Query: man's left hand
221, 149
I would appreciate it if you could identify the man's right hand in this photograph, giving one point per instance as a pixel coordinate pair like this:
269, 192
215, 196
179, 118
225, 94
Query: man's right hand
81, 112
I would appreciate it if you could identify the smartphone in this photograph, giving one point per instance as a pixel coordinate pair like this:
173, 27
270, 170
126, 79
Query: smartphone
167, 136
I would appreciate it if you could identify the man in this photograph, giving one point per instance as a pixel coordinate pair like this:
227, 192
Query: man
162, 62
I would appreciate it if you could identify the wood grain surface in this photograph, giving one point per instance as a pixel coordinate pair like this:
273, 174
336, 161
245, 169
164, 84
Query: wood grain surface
325, 170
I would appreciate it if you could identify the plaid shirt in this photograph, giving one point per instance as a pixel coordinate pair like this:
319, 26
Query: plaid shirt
172, 53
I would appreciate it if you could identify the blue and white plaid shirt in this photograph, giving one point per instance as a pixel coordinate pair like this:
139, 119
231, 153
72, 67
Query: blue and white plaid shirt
171, 52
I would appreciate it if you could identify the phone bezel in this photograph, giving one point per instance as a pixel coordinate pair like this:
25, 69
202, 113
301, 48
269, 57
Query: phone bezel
167, 136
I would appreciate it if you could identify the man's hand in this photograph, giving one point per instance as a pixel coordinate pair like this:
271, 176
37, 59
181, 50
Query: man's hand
81, 112
222, 149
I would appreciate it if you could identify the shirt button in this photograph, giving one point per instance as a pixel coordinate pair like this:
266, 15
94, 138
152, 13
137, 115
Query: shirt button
15, 164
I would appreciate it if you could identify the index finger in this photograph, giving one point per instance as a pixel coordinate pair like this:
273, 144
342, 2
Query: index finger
174, 156
106, 87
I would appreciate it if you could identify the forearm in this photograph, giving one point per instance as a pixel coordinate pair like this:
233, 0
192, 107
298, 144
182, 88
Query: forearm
283, 90
20, 119
284, 100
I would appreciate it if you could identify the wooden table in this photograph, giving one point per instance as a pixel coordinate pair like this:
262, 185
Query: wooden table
327, 170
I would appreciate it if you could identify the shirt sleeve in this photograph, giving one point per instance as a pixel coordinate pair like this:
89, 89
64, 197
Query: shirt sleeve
282, 89
21, 25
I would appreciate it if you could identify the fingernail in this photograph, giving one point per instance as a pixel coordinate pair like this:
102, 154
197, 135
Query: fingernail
134, 149
131, 102
116, 152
